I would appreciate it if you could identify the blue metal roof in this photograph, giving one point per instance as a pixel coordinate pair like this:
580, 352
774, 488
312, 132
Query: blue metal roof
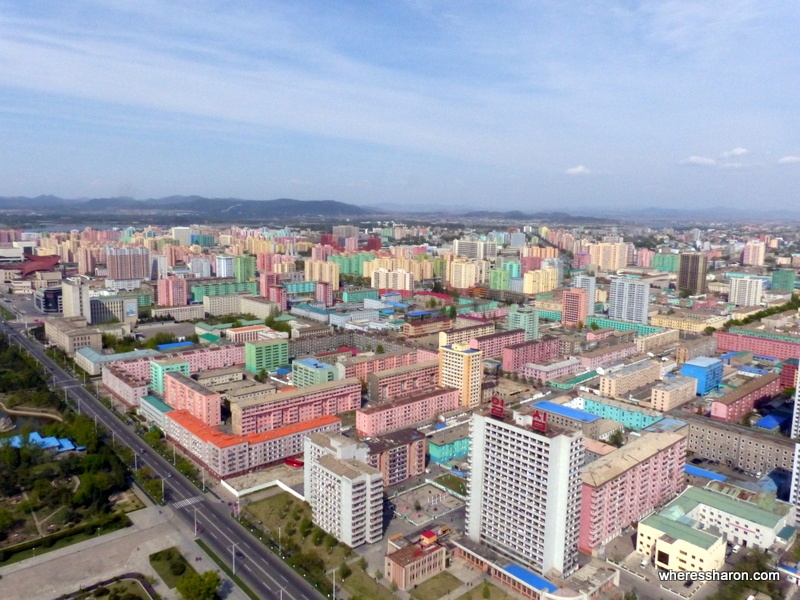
753, 370
54, 443
698, 472
174, 345
771, 422
419, 313
566, 411
530, 578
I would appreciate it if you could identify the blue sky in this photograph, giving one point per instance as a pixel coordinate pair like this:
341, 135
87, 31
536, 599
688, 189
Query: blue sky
517, 105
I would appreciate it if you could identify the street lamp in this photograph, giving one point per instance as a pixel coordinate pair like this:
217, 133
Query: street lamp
233, 557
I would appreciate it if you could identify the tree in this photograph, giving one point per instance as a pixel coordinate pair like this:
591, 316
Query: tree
380, 349
345, 571
616, 439
594, 326
486, 592
630, 595
452, 312
708, 330
199, 587
685, 293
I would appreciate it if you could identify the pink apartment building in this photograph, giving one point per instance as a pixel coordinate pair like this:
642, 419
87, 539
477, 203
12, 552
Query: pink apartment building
607, 355
126, 387
263, 413
363, 365
734, 406
536, 351
184, 393
493, 344
553, 370
404, 412
735, 342
402, 381
622, 487
173, 291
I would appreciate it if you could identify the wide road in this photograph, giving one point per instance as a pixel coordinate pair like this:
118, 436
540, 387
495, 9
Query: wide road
265, 573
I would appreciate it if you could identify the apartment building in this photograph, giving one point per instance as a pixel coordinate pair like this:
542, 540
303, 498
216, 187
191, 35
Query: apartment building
673, 392
421, 327
461, 367
125, 386
552, 370
542, 350
402, 381
734, 406
266, 355
524, 491
658, 340
759, 343
607, 355
463, 335
226, 455
626, 485
262, 413
70, 334
618, 383
184, 393
345, 493
404, 412
409, 566
362, 365
399, 455
492, 345
701, 346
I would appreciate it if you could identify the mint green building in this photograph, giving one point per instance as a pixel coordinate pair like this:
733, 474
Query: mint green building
783, 280
449, 444
359, 294
161, 366
640, 328
307, 371
351, 264
266, 354
668, 263
198, 292
526, 318
499, 279
631, 418
513, 267
244, 267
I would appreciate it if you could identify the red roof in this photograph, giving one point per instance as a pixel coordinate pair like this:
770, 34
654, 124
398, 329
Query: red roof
223, 440
32, 263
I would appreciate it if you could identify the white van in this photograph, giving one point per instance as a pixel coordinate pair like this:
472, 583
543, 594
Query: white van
644, 563
736, 548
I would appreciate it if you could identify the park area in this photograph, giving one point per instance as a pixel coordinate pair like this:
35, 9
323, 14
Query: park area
452, 482
424, 504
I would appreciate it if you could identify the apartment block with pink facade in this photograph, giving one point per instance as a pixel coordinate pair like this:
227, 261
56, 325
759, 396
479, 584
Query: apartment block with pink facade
732, 341
270, 411
735, 405
622, 487
127, 387
362, 365
607, 355
516, 356
173, 291
402, 381
493, 344
206, 359
404, 412
553, 370
184, 393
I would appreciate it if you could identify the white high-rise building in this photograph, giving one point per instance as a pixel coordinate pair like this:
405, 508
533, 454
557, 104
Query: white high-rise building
525, 490
182, 234
345, 493
475, 249
628, 300
399, 279
200, 267
75, 300
794, 496
461, 367
746, 291
589, 284
224, 266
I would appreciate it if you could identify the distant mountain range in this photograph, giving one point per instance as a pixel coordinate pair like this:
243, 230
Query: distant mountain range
219, 209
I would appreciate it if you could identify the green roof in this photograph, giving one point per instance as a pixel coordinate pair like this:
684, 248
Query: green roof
694, 496
156, 403
210, 337
679, 531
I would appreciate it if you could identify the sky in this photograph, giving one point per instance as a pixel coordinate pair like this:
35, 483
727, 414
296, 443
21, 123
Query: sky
535, 105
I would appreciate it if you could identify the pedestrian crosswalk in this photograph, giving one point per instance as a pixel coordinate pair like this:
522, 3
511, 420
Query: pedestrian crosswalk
187, 502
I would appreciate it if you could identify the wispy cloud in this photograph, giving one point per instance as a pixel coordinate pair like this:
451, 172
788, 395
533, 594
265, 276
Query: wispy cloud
699, 161
734, 152
789, 160
579, 170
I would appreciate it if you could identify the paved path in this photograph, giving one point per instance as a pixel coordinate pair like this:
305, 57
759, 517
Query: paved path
127, 550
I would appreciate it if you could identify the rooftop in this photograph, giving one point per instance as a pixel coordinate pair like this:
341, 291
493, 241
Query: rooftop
442, 437
295, 393
373, 408
346, 468
693, 497
703, 361
680, 531
190, 383
748, 388
633, 453
566, 411
393, 440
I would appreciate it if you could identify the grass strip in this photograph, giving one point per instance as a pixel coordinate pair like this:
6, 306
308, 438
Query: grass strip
235, 578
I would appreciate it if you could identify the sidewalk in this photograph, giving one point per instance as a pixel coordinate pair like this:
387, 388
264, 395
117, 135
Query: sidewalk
125, 551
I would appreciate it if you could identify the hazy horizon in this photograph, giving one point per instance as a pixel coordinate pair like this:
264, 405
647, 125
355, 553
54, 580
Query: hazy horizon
531, 106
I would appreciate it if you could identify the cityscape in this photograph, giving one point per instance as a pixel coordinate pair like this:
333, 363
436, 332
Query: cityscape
399, 301
535, 410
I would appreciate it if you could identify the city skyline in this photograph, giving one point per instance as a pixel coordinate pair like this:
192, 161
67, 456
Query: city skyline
534, 106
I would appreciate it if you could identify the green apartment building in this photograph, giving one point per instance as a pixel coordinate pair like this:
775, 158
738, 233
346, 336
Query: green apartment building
222, 289
244, 268
526, 318
669, 263
449, 444
161, 366
307, 371
265, 354
783, 280
499, 279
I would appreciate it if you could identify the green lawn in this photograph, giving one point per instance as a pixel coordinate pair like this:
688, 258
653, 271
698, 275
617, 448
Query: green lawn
436, 587
495, 593
364, 586
450, 481
287, 512
170, 565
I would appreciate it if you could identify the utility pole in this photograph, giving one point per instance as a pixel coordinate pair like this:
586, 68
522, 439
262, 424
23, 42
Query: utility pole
173, 454
280, 548
135, 461
233, 557
163, 492
334, 584
195, 521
